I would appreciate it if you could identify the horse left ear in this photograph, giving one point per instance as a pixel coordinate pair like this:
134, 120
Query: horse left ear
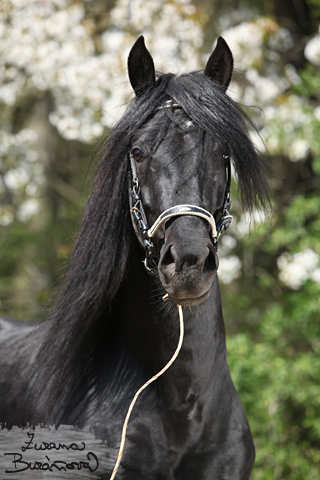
220, 64
140, 66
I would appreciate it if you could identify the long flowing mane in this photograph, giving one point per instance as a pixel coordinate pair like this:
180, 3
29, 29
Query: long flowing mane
79, 325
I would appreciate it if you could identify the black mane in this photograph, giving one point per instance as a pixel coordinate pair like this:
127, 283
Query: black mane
83, 313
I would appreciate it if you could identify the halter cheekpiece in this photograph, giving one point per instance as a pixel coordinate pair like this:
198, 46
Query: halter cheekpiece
139, 220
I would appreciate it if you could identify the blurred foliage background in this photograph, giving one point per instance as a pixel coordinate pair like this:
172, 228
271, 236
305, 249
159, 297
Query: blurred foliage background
63, 83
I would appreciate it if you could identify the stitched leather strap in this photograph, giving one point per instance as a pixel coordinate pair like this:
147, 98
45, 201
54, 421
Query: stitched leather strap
183, 210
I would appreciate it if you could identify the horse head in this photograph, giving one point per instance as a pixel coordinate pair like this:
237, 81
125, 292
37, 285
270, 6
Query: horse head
180, 181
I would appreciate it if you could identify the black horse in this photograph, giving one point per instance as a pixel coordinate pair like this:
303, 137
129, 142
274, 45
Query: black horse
110, 331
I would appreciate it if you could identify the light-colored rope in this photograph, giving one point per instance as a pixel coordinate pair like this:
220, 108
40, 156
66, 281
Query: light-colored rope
125, 425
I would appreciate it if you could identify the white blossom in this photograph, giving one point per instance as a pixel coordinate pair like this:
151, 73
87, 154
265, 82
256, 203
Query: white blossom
229, 268
316, 113
266, 89
16, 178
312, 50
281, 40
28, 209
47, 47
296, 269
247, 220
228, 241
248, 53
292, 75
282, 114
315, 275
298, 150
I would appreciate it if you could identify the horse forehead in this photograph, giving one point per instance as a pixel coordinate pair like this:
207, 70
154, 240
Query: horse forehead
183, 121
180, 123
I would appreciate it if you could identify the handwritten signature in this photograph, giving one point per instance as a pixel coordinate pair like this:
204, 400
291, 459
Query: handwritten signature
21, 465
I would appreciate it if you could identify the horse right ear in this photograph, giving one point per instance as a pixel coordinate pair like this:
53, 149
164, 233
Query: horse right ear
140, 67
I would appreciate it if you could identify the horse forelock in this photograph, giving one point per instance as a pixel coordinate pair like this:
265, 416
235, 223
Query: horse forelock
213, 111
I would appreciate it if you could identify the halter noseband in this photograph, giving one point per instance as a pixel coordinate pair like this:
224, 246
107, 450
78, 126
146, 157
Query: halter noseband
139, 220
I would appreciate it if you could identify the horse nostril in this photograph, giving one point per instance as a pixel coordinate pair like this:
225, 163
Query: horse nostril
210, 263
168, 265
173, 264
167, 259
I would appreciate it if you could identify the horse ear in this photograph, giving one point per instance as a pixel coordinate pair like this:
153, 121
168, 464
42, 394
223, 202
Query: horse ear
140, 66
220, 64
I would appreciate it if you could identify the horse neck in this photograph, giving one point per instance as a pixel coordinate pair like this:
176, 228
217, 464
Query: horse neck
152, 334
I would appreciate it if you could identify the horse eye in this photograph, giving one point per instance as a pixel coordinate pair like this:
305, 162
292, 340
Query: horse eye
137, 154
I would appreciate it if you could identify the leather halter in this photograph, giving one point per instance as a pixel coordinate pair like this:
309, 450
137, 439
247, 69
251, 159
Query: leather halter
140, 223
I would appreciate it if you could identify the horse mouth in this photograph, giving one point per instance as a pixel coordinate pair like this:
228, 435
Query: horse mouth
190, 302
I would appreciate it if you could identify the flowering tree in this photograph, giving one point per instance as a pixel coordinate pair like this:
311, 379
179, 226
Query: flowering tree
63, 83
275, 308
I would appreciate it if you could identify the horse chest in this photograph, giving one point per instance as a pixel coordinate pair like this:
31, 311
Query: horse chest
183, 430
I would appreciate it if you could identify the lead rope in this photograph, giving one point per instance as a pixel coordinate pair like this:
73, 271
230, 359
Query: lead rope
125, 425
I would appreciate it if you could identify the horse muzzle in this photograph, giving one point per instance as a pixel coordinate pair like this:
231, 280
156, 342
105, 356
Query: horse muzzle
188, 261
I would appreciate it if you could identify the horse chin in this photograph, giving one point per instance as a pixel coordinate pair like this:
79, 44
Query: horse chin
191, 302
